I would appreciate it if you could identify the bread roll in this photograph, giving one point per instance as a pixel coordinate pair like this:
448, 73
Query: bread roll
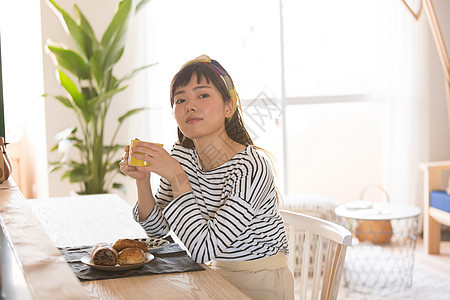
121, 244
103, 254
131, 256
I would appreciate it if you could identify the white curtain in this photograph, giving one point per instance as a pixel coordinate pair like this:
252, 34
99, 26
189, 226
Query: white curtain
405, 92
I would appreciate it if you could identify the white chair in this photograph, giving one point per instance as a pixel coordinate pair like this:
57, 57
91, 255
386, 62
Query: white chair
318, 206
332, 243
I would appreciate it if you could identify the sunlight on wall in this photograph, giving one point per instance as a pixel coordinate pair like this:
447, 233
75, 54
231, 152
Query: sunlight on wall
23, 85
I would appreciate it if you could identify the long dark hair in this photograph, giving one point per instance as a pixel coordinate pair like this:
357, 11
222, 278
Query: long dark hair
234, 126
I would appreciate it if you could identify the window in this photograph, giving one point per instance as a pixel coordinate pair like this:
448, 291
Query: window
307, 90
330, 47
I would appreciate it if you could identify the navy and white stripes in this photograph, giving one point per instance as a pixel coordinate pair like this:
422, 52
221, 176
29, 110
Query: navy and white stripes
230, 214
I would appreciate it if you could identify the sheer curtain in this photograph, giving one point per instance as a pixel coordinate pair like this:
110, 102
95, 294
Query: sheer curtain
405, 92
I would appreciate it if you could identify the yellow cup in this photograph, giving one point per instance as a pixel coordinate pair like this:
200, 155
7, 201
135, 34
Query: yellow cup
137, 162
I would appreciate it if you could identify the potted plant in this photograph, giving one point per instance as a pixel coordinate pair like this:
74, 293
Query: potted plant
86, 74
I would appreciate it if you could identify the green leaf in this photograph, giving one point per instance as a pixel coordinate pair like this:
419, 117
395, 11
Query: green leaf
79, 36
130, 113
54, 168
88, 92
65, 101
113, 83
113, 40
76, 172
74, 175
113, 166
84, 23
69, 60
112, 57
141, 5
102, 62
80, 145
133, 72
117, 28
54, 148
72, 89
97, 67
119, 186
95, 102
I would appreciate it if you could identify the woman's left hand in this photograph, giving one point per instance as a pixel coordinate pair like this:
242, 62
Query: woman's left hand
160, 161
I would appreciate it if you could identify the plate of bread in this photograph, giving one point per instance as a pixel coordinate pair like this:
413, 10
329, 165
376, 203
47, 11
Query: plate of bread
124, 254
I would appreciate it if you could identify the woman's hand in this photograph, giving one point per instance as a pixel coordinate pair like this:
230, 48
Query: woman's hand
159, 160
132, 171
163, 164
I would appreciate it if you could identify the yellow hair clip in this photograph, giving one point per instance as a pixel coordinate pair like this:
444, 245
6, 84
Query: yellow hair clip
201, 58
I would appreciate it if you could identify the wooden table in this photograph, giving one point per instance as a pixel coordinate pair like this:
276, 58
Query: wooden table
86, 220
31, 266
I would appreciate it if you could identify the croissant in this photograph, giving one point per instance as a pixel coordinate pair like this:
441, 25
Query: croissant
103, 254
121, 244
130, 256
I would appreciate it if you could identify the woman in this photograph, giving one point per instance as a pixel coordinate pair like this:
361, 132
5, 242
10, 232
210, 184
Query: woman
216, 193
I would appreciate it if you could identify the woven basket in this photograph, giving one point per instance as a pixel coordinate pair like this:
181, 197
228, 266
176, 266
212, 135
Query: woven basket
376, 232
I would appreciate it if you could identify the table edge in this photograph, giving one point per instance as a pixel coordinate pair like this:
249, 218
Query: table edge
45, 270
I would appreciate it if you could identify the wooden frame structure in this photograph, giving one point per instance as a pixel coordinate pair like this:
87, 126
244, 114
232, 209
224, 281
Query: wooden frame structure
440, 45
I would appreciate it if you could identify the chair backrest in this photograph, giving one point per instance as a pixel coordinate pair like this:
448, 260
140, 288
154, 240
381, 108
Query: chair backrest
332, 242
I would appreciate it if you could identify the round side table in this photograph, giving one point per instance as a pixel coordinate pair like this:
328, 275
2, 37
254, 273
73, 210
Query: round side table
381, 258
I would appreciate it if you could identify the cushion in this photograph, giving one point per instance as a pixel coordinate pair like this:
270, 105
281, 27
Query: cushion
440, 200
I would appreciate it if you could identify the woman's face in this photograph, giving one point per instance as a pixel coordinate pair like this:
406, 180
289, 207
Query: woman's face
199, 110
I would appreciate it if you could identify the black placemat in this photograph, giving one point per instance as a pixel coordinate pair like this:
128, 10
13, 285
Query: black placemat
168, 259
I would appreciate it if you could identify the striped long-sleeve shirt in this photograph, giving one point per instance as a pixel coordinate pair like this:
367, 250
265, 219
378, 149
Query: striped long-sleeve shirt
230, 214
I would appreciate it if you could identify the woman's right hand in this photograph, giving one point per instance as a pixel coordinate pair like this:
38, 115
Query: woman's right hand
131, 171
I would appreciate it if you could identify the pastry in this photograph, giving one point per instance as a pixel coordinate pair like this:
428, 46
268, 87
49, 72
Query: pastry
103, 254
131, 256
121, 244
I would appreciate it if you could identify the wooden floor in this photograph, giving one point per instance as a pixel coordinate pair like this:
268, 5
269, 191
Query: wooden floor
438, 263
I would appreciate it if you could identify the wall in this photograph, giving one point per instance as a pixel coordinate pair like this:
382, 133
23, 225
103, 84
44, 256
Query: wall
439, 118
22, 83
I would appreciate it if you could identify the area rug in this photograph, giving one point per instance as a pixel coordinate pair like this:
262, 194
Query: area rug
426, 284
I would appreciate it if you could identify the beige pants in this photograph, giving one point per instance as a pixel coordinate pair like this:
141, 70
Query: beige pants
266, 278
